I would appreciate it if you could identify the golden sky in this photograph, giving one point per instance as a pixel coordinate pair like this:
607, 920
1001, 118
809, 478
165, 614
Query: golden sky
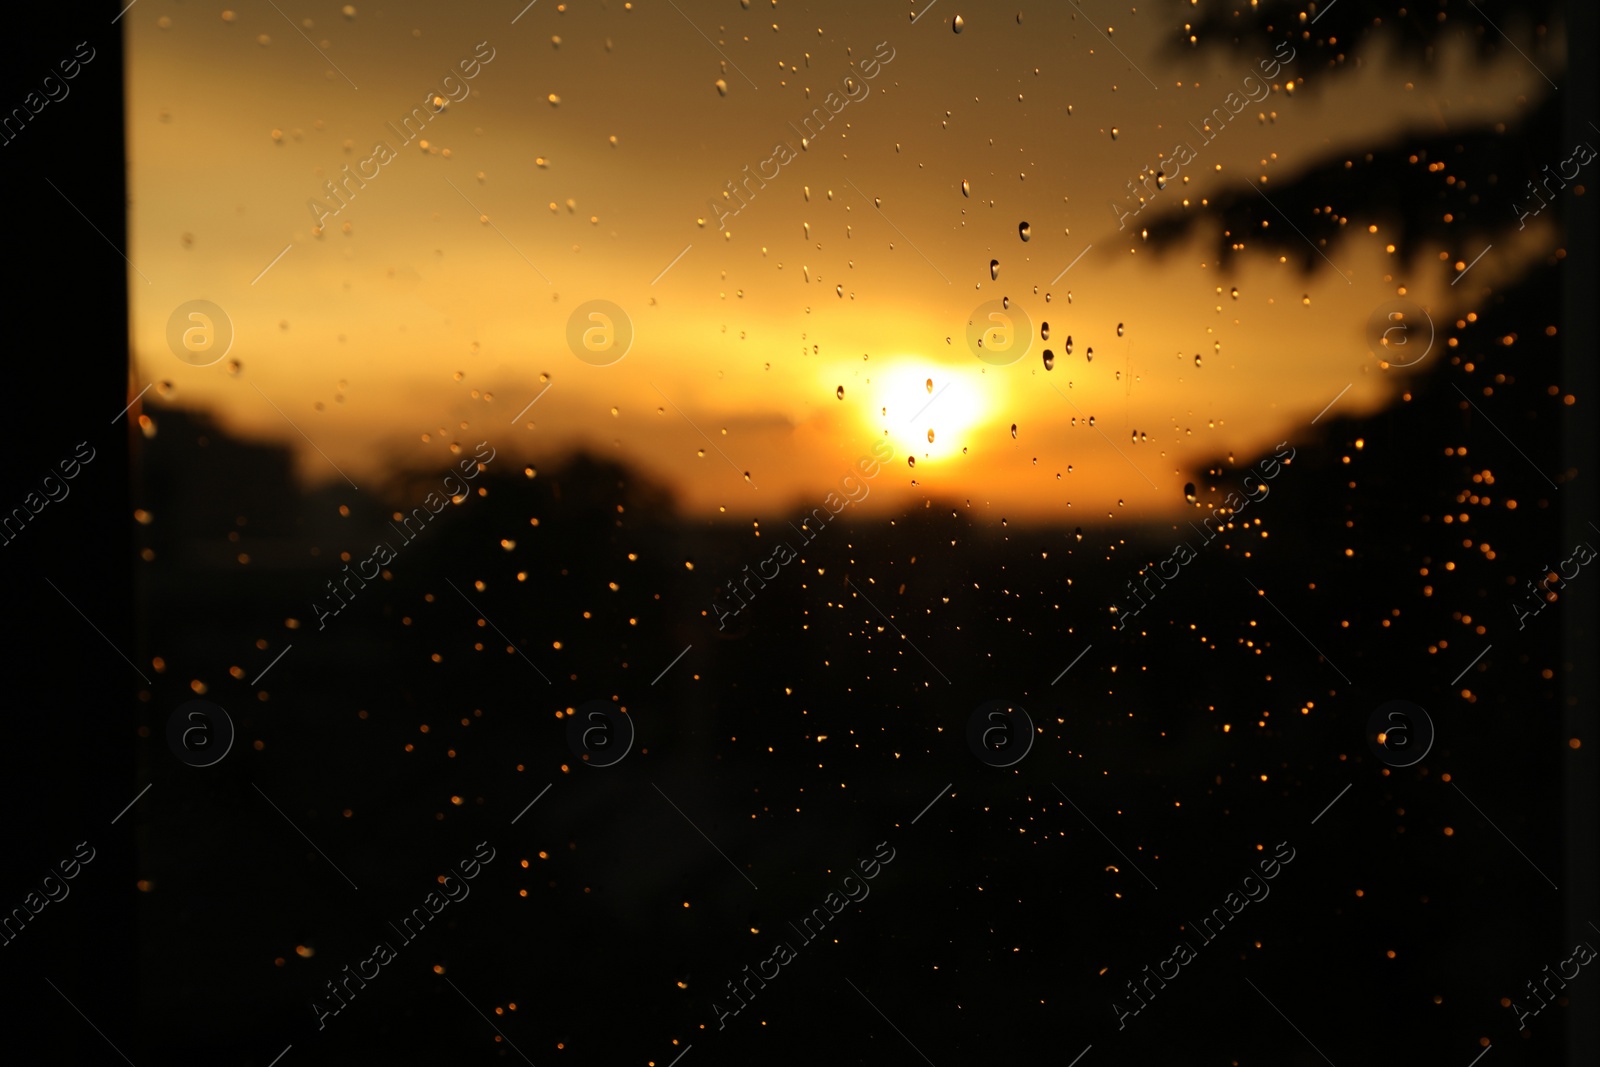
593, 138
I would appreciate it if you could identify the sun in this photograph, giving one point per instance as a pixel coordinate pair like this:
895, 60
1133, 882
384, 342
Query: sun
917, 399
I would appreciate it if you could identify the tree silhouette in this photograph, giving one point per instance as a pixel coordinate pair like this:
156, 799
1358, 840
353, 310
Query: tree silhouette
1460, 188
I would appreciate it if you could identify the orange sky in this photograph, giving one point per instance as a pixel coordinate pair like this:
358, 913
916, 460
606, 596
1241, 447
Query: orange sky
359, 336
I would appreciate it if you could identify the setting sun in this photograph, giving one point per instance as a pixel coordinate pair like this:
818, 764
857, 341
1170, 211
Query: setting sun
915, 399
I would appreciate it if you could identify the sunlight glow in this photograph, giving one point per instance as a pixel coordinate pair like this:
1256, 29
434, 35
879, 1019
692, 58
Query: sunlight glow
903, 404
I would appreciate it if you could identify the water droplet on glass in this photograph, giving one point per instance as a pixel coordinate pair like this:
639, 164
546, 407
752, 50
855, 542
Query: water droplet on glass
1078, 533
930, 385
966, 190
1024, 230
1114, 132
1235, 294
911, 461
930, 435
722, 87
1049, 360
1013, 431
958, 24
1044, 331
1119, 329
994, 270
1188, 492
839, 392
1197, 359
